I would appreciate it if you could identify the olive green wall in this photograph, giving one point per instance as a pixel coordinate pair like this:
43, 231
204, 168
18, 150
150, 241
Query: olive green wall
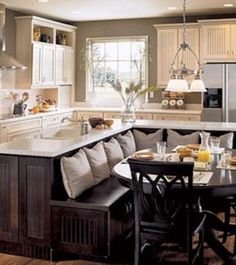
128, 27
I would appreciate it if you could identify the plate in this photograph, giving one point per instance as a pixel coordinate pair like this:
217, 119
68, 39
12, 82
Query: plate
143, 155
233, 160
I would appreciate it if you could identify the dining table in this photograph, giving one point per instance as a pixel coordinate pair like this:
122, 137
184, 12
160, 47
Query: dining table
218, 187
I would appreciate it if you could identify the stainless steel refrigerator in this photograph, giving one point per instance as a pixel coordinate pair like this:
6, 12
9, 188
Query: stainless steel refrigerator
219, 102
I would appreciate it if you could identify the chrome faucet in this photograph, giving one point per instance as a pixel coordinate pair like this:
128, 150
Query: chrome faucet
65, 119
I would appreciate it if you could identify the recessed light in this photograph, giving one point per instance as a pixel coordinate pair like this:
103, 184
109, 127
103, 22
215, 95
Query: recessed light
42, 1
75, 12
228, 5
172, 7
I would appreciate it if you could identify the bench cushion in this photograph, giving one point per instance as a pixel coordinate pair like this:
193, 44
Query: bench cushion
76, 173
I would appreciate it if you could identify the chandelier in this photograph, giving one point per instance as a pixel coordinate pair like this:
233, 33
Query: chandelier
177, 82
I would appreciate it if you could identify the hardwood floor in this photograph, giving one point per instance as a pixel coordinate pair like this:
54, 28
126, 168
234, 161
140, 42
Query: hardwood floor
210, 259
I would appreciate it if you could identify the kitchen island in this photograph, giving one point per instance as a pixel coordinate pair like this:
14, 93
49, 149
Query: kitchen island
31, 188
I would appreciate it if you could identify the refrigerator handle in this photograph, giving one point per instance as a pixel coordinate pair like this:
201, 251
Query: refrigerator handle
225, 94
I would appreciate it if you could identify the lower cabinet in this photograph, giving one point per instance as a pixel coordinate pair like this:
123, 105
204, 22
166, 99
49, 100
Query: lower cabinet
34, 198
177, 117
9, 221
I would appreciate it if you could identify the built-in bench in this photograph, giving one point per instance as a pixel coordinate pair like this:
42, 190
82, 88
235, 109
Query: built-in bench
96, 224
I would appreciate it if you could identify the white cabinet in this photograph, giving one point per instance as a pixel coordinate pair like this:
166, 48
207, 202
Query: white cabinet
43, 70
87, 114
64, 65
21, 129
177, 117
169, 37
218, 40
49, 60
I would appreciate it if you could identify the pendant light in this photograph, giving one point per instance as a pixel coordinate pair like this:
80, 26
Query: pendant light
177, 82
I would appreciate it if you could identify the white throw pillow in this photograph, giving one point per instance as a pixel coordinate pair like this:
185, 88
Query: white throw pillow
174, 138
76, 173
127, 143
226, 140
98, 162
113, 151
144, 141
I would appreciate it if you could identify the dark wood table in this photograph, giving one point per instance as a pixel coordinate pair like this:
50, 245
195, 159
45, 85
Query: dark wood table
221, 186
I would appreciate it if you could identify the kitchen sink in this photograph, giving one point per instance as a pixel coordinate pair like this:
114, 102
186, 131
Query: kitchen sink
63, 133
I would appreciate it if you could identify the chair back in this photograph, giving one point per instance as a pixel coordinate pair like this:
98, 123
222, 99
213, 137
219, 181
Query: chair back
162, 191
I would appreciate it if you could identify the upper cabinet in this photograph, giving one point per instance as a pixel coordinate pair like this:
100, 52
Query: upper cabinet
47, 48
169, 37
218, 40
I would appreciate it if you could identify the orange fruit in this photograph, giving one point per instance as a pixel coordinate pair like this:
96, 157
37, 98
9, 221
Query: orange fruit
36, 109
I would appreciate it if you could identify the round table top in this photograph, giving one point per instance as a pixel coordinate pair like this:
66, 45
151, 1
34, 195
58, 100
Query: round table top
221, 183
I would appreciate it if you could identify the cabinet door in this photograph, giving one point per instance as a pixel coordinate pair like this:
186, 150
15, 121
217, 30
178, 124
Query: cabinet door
192, 39
69, 65
215, 41
34, 198
233, 41
9, 198
167, 45
48, 65
37, 64
60, 65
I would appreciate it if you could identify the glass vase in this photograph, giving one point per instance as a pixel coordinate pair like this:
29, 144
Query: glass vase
204, 154
128, 113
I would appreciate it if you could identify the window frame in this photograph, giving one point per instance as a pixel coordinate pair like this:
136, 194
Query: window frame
115, 39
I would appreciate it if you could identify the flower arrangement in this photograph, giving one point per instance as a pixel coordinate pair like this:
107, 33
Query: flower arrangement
132, 92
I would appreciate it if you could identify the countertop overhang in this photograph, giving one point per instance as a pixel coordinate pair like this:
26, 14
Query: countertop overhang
46, 146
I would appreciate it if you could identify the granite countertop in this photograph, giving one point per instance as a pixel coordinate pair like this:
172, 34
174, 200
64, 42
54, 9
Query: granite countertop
62, 140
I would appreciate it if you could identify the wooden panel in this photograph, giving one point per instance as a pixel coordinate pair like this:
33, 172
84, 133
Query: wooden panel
112, 115
87, 115
215, 41
8, 198
143, 116
80, 231
233, 40
176, 117
167, 46
35, 185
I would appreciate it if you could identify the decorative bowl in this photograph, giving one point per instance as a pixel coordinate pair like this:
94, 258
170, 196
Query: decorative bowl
94, 121
108, 123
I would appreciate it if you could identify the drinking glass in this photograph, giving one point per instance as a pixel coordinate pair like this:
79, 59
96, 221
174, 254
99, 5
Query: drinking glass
161, 150
226, 157
215, 144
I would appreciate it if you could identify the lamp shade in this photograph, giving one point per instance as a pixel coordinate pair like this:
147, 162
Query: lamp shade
197, 85
177, 85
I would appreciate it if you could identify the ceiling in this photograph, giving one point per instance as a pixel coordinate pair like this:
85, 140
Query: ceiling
116, 9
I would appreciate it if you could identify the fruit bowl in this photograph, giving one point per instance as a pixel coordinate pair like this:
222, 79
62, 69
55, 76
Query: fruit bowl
108, 123
95, 121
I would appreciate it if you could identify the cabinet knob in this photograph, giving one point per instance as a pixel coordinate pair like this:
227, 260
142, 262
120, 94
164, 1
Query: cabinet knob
232, 53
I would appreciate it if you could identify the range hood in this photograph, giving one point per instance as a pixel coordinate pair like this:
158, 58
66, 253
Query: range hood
7, 62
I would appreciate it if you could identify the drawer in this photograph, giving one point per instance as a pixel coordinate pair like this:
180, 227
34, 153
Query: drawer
112, 115
22, 134
51, 120
19, 126
143, 116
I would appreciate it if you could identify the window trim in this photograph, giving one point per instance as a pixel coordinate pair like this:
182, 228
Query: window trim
117, 39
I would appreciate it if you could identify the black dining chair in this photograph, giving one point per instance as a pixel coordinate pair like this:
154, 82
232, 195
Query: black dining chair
165, 209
